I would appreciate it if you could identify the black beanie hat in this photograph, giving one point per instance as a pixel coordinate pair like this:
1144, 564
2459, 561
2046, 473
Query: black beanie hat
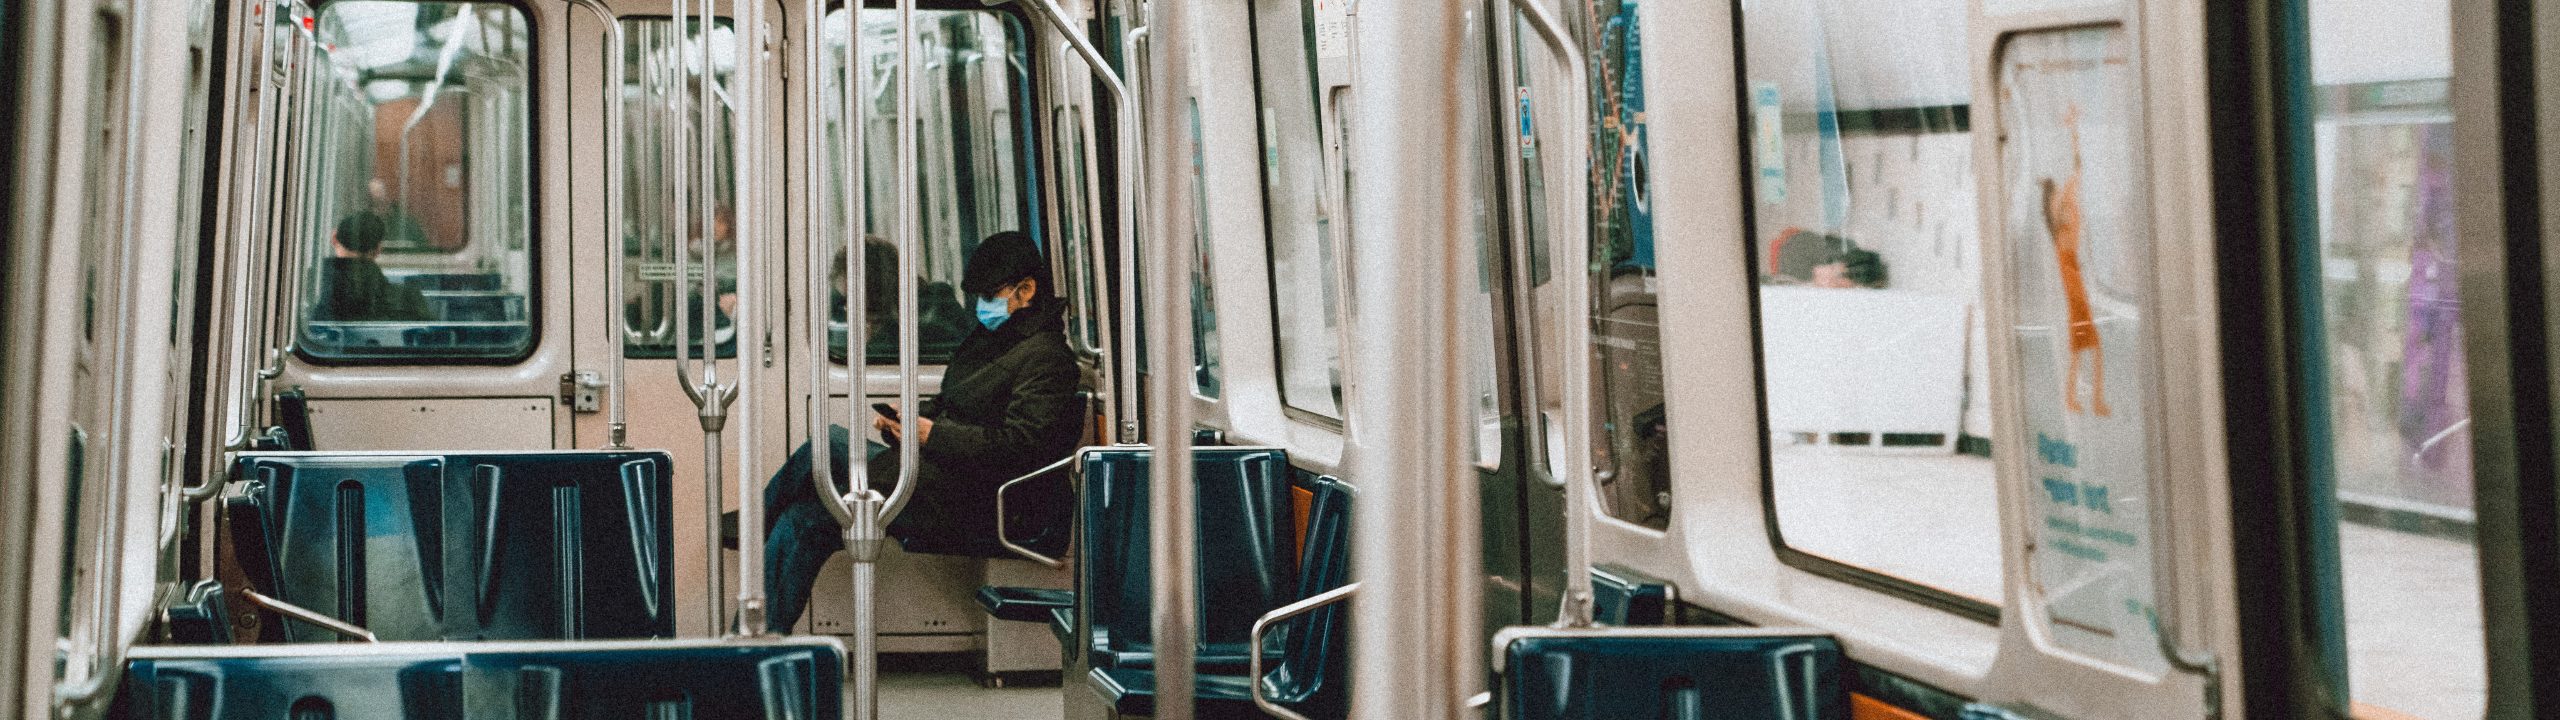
1003, 259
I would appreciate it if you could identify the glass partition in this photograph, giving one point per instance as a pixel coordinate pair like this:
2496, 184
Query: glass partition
973, 100
414, 192
662, 63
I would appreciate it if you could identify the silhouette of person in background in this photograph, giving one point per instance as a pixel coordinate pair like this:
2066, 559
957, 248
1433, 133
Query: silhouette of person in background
352, 287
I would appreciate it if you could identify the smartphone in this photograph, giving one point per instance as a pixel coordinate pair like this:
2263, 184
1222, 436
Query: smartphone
885, 411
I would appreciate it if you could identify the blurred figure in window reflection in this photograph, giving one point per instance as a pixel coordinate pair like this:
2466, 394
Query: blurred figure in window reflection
1822, 260
940, 319
352, 287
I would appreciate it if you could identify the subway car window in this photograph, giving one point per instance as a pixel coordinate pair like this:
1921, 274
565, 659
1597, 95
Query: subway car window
2399, 403
1627, 333
661, 63
1303, 218
1868, 255
1476, 166
414, 202
972, 104
1204, 311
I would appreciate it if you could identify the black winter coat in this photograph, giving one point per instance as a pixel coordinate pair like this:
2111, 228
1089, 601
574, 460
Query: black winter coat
1008, 406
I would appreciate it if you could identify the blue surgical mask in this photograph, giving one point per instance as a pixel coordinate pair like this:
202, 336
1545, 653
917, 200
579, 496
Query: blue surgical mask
993, 310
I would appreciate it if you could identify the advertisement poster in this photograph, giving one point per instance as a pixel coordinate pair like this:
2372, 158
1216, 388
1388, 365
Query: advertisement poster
2080, 265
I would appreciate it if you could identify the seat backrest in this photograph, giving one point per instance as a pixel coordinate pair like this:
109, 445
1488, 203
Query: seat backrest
1312, 675
293, 416
1671, 674
1626, 598
357, 537
1245, 541
245, 558
798, 677
530, 545
567, 545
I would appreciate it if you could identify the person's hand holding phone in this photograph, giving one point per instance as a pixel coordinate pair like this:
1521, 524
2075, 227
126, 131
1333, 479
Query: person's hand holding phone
886, 422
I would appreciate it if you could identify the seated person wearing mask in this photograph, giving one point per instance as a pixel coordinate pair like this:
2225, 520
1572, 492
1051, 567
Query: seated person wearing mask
1008, 406
352, 287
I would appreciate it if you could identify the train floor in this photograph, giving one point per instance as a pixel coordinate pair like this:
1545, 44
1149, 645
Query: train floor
936, 688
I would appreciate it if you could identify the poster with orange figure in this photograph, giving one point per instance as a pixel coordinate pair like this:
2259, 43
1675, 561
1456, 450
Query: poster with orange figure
2078, 263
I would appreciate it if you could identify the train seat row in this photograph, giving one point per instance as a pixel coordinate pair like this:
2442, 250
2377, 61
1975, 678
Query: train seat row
740, 679
476, 546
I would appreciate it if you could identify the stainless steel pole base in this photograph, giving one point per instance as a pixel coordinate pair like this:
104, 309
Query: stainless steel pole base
862, 545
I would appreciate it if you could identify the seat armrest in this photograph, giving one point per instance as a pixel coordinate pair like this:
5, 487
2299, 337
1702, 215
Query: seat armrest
1022, 604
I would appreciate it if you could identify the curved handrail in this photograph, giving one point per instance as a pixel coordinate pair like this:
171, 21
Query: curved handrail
1253, 643
1001, 537
857, 330
618, 327
910, 244
1127, 145
1575, 341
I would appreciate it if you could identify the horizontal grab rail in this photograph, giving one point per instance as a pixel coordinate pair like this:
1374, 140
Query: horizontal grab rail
1007, 540
1261, 625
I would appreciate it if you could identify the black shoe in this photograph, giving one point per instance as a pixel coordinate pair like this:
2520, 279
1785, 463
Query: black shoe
729, 529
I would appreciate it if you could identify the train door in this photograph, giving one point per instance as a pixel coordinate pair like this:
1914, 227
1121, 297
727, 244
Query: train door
426, 287
1507, 298
2390, 337
702, 238
1302, 81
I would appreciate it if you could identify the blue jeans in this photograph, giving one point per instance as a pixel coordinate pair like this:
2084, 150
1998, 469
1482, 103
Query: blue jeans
799, 532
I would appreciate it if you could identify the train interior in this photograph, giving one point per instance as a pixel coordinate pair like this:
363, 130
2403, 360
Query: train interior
1824, 359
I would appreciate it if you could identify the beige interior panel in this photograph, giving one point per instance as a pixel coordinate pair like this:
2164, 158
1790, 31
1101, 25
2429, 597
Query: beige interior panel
432, 424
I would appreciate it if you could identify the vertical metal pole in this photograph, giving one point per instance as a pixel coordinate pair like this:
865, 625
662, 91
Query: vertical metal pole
616, 242
816, 178
858, 509
1572, 249
745, 191
909, 246
1418, 548
1172, 231
856, 189
862, 545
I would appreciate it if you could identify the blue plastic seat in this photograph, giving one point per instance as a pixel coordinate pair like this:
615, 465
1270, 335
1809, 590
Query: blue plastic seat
528, 545
567, 545
358, 537
1671, 674
1311, 674
1246, 565
707, 680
